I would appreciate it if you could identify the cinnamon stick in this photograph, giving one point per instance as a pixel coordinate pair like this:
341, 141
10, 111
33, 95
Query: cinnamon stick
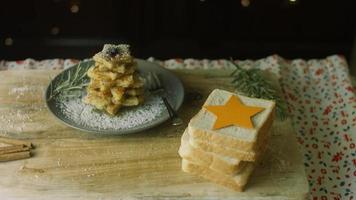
15, 142
13, 149
15, 156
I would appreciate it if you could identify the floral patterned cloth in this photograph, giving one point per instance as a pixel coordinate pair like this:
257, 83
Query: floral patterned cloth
322, 104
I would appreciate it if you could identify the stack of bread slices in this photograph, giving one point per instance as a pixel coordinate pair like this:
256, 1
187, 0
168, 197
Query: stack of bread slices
114, 82
226, 156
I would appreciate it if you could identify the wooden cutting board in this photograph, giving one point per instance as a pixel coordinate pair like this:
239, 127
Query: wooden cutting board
70, 164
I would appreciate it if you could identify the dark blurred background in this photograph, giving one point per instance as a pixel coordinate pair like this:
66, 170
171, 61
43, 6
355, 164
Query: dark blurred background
177, 28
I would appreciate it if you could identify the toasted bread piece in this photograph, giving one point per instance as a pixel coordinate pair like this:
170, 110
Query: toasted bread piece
97, 101
97, 92
114, 71
103, 60
124, 81
120, 69
117, 93
214, 161
138, 82
125, 59
108, 63
235, 182
128, 69
103, 85
133, 100
134, 91
244, 139
116, 68
117, 63
95, 73
112, 109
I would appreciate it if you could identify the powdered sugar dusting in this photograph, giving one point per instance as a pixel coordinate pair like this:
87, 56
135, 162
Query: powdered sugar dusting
84, 115
26, 91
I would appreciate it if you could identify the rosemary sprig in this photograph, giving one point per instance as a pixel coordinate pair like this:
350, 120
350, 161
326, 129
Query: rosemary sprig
251, 83
74, 80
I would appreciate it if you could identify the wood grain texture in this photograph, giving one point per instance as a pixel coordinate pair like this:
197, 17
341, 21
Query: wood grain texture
70, 164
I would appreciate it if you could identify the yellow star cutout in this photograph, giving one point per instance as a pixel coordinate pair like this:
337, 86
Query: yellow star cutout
233, 113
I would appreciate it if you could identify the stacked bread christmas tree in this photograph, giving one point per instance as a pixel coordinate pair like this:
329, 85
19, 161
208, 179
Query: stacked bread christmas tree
114, 81
228, 136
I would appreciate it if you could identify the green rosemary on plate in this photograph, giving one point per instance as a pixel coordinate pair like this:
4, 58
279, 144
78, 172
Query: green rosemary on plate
74, 79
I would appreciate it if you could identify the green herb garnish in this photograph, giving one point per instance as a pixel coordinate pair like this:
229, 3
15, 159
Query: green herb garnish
251, 83
74, 80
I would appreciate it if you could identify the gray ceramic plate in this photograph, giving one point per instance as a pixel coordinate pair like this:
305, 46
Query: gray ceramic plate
76, 114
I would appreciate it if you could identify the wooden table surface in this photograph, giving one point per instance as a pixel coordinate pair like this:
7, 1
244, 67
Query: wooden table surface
70, 164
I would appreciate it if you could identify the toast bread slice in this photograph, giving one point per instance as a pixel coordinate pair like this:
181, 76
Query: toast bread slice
235, 182
234, 153
245, 139
212, 160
